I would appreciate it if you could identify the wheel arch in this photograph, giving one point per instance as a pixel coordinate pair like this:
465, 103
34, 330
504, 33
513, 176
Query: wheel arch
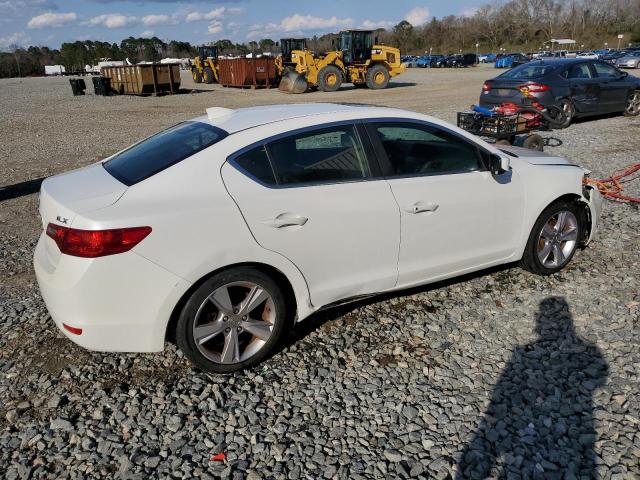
277, 275
585, 216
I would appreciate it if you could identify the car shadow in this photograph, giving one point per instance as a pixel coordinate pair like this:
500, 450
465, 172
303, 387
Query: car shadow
20, 189
333, 312
539, 423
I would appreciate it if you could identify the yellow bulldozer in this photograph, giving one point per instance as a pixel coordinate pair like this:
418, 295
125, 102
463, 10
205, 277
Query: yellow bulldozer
205, 66
355, 59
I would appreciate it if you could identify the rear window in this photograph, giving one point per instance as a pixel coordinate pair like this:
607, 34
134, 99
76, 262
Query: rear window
528, 72
162, 150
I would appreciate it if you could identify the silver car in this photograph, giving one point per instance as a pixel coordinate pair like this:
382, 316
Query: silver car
629, 61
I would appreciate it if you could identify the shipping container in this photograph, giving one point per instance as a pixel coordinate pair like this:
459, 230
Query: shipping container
54, 70
247, 72
147, 79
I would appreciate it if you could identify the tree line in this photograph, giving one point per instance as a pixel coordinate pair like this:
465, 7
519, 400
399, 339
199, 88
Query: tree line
523, 25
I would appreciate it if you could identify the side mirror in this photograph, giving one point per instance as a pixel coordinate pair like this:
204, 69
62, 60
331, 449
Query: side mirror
498, 164
624, 74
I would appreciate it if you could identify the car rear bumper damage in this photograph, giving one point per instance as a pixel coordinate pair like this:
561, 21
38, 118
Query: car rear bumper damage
116, 303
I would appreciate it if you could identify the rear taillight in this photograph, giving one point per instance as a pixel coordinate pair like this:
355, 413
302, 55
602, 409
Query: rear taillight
486, 87
531, 88
96, 243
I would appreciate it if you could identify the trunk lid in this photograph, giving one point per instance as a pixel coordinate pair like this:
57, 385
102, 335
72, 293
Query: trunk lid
503, 90
64, 197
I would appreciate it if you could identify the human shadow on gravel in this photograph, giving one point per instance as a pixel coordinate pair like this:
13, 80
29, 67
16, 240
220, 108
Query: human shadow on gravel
539, 423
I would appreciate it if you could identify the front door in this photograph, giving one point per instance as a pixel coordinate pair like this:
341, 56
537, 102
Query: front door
614, 87
455, 215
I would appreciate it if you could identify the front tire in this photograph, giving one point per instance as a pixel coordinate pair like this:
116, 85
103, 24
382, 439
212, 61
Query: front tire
232, 321
329, 78
208, 76
197, 76
554, 239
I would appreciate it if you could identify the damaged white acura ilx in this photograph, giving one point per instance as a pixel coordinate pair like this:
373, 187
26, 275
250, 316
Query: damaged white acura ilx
222, 231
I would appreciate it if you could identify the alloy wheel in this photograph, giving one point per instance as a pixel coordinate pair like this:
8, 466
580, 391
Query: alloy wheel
557, 239
234, 322
633, 104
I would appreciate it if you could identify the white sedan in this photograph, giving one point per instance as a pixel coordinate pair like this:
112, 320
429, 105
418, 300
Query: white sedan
222, 231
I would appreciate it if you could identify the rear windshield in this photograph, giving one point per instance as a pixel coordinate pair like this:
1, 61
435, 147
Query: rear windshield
528, 71
162, 150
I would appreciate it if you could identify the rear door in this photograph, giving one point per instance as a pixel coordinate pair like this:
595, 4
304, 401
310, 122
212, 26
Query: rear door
584, 87
455, 216
314, 197
614, 88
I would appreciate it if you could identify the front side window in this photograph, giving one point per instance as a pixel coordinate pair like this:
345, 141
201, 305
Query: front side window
323, 156
426, 150
162, 150
605, 71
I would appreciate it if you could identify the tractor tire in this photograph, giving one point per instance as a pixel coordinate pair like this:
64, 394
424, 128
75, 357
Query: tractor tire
197, 76
534, 142
377, 77
207, 75
329, 78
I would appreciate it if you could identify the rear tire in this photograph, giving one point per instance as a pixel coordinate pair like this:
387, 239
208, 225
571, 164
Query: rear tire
197, 76
534, 142
553, 242
228, 338
208, 75
633, 105
329, 78
569, 113
377, 77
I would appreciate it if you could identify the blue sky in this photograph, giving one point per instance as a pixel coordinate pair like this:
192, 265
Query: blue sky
52, 22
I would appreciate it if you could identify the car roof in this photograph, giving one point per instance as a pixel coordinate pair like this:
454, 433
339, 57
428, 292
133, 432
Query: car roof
233, 121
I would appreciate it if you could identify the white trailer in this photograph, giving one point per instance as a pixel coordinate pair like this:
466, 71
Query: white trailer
54, 70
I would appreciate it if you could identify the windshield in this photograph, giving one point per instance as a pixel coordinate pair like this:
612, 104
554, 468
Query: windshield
528, 71
162, 150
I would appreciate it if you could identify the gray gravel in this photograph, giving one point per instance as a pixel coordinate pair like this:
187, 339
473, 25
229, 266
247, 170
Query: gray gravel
500, 374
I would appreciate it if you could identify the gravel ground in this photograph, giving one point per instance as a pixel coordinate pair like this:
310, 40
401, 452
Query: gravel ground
501, 374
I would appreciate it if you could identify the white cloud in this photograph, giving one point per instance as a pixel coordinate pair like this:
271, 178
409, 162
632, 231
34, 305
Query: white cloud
308, 22
469, 11
417, 16
372, 25
52, 20
153, 20
215, 14
214, 27
112, 20
147, 34
18, 38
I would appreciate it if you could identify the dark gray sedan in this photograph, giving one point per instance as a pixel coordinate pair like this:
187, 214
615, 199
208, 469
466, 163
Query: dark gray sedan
579, 87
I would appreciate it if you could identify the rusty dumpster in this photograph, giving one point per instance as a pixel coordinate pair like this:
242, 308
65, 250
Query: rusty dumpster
145, 79
247, 72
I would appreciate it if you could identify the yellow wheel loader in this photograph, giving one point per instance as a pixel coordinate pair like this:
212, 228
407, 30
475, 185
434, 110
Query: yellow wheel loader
368, 64
205, 66
356, 60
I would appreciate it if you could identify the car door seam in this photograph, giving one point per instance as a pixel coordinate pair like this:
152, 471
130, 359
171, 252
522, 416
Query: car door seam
256, 240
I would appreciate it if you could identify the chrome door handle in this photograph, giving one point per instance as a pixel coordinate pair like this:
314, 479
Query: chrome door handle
421, 207
286, 220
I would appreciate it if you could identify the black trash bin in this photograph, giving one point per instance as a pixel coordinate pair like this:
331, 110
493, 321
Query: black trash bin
102, 85
77, 86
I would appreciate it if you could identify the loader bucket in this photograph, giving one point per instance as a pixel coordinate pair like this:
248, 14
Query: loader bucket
293, 82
